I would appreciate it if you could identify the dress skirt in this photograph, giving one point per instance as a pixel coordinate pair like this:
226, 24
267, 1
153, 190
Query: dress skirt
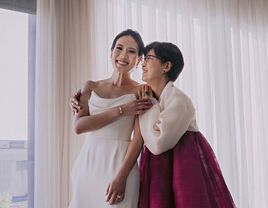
187, 176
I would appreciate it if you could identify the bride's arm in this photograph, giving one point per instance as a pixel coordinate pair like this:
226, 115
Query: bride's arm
84, 122
117, 186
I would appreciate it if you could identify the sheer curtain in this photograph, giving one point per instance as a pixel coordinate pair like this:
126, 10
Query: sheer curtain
225, 45
62, 66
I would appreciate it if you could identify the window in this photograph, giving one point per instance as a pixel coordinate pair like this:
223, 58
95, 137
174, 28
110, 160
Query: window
17, 52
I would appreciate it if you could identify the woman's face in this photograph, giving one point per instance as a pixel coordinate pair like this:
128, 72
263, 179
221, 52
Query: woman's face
125, 54
152, 68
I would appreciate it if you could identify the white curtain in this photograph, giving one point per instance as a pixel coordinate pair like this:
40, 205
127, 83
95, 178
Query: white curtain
62, 66
225, 46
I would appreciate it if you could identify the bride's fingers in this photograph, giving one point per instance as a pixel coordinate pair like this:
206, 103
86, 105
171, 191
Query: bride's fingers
107, 190
113, 198
143, 102
119, 199
109, 193
144, 107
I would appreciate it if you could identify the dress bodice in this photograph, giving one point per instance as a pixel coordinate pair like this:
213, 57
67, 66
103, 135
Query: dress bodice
120, 129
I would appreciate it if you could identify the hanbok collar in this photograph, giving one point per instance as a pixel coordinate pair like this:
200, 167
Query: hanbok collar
167, 88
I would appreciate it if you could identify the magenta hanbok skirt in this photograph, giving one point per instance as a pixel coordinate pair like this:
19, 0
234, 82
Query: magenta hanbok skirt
187, 176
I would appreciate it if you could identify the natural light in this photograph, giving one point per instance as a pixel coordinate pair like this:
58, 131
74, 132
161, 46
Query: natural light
14, 108
13, 75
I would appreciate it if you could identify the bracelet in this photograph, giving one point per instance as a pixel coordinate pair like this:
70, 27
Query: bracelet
120, 111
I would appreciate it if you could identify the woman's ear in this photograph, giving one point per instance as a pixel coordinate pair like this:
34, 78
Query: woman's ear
167, 66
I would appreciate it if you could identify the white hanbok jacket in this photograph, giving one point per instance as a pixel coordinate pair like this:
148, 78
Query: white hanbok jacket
164, 124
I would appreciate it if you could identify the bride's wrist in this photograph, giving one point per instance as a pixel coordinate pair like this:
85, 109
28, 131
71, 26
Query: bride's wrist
121, 175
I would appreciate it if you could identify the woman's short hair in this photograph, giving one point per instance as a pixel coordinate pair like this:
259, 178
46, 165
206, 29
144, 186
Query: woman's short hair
165, 52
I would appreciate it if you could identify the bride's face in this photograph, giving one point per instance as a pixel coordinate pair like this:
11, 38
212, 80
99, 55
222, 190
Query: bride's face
124, 56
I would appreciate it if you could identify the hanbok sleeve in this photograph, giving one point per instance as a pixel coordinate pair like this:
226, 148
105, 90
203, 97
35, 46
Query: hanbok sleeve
164, 124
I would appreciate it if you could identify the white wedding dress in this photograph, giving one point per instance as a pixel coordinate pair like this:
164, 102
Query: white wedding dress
100, 158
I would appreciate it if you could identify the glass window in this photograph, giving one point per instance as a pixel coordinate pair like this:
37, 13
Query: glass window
17, 44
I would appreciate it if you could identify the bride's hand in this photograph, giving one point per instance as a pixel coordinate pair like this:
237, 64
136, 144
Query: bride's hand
116, 190
136, 107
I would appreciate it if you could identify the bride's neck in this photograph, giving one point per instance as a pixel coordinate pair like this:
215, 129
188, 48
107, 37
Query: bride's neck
119, 79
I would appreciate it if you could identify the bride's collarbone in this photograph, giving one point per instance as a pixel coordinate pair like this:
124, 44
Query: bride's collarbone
113, 93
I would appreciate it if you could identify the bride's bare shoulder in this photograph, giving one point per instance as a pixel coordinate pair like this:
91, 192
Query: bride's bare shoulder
89, 86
